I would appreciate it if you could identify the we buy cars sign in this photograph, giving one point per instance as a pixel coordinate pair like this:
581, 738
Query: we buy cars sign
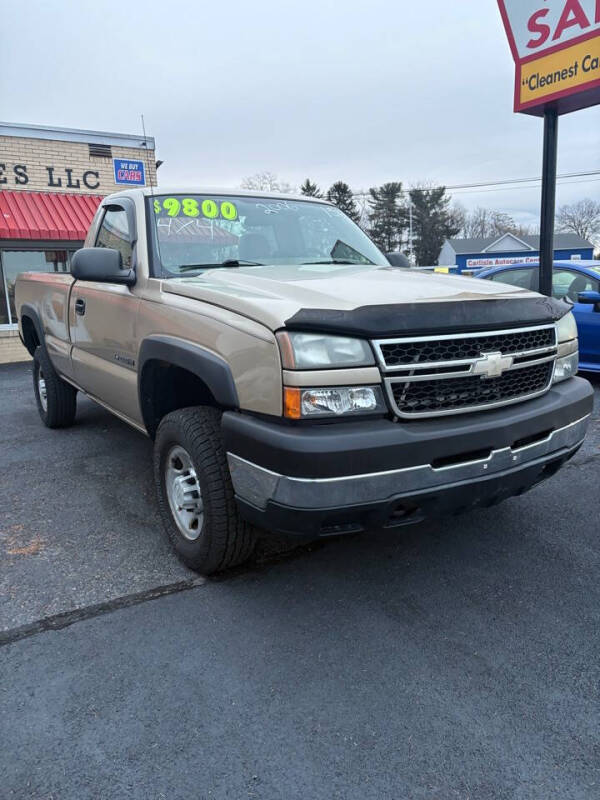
556, 48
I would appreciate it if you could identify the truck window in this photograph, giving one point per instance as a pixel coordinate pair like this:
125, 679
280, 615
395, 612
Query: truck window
114, 232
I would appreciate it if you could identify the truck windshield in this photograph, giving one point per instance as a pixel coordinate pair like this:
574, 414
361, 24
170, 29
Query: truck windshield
193, 232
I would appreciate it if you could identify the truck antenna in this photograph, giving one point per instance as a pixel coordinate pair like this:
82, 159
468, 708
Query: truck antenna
148, 164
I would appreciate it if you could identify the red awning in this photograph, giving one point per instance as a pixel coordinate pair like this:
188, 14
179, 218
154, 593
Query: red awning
46, 215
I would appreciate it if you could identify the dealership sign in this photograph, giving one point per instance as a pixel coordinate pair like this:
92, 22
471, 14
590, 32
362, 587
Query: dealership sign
502, 261
556, 48
130, 172
507, 261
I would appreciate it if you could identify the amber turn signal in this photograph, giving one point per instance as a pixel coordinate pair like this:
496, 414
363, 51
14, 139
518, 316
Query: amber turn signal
291, 402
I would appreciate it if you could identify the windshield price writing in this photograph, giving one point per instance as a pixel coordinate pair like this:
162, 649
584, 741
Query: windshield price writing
195, 207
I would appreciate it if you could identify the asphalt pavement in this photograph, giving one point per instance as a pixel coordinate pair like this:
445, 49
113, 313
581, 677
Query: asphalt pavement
453, 659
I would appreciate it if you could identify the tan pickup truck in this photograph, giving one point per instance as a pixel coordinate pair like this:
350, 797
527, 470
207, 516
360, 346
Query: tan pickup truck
291, 378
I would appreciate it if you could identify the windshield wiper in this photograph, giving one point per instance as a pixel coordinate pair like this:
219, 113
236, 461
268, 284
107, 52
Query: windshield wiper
240, 262
230, 262
333, 261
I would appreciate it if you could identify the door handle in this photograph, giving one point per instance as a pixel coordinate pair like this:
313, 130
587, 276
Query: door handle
80, 306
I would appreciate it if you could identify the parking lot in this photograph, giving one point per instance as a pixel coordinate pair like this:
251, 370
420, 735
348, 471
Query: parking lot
453, 659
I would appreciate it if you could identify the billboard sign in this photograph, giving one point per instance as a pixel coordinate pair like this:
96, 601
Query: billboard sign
556, 48
129, 172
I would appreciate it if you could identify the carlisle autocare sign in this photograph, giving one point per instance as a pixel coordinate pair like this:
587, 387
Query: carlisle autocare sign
129, 172
556, 48
501, 262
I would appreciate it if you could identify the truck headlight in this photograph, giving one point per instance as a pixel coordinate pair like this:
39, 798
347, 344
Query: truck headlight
317, 351
332, 401
568, 348
566, 328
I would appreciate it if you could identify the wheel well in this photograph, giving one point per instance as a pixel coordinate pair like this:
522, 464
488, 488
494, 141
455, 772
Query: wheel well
31, 340
165, 388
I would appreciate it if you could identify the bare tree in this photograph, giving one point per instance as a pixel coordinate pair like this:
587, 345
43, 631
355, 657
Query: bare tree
267, 181
582, 218
484, 223
361, 200
476, 224
458, 215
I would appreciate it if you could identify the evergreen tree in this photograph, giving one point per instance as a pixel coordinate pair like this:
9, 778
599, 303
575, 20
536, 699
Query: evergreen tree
341, 195
387, 216
310, 189
433, 223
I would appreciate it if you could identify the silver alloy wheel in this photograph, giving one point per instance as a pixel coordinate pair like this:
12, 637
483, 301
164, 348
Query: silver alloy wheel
183, 492
42, 390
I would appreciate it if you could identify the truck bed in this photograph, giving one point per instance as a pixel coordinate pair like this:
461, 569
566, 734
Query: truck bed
48, 295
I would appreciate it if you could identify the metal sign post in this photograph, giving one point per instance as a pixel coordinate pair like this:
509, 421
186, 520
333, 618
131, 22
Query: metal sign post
548, 200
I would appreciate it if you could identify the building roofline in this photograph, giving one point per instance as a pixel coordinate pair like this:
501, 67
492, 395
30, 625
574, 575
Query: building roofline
75, 135
506, 236
476, 246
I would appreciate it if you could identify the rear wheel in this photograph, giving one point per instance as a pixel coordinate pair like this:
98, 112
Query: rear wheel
56, 400
195, 494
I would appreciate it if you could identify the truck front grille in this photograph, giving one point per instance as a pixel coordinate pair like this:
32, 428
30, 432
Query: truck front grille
410, 352
472, 392
429, 376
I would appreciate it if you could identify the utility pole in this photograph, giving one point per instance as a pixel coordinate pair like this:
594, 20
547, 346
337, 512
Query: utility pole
410, 230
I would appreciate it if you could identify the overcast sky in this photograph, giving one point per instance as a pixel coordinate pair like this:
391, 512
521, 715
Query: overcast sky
361, 91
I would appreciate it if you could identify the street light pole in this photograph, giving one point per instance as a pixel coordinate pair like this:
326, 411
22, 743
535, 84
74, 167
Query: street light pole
410, 230
548, 200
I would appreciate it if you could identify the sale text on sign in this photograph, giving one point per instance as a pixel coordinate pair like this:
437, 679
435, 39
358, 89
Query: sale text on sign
556, 48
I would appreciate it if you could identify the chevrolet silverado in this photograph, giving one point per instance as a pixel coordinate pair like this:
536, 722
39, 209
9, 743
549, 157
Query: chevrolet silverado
293, 380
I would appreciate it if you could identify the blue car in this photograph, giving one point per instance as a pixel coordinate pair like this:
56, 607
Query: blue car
579, 282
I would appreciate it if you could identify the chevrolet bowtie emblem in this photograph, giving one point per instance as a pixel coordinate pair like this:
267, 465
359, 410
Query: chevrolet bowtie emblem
492, 365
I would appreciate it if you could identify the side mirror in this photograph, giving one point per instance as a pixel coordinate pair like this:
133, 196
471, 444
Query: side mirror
398, 260
590, 298
101, 264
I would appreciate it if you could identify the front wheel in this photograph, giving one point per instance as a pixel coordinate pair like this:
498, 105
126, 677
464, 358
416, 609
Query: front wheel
195, 494
56, 400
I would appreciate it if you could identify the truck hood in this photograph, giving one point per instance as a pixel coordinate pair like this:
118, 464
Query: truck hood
277, 295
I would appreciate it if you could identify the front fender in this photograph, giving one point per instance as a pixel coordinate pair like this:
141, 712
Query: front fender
210, 368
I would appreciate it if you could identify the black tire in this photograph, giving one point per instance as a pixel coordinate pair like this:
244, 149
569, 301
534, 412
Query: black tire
224, 539
61, 397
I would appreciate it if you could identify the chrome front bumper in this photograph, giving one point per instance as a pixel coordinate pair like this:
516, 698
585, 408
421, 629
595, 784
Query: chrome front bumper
258, 486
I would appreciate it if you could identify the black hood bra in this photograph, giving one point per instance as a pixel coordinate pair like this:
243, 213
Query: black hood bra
452, 316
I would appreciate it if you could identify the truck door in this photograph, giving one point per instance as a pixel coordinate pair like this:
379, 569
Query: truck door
103, 323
